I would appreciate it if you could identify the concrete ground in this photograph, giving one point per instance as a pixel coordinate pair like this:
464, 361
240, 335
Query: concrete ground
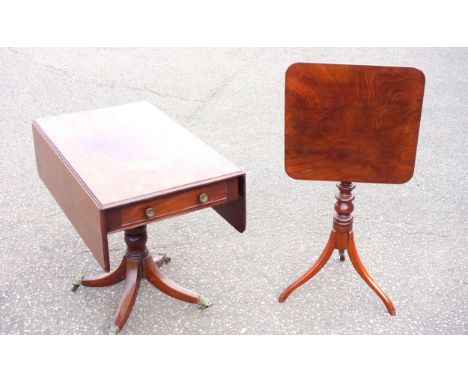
412, 237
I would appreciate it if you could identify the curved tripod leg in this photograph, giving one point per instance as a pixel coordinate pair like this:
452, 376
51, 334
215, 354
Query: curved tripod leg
107, 279
322, 260
129, 294
359, 267
166, 285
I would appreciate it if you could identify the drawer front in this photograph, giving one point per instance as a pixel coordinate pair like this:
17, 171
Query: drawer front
177, 203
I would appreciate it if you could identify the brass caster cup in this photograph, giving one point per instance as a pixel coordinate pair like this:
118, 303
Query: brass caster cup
76, 285
114, 330
204, 302
166, 259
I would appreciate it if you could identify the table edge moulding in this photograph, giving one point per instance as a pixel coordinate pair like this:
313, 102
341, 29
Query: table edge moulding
350, 123
169, 171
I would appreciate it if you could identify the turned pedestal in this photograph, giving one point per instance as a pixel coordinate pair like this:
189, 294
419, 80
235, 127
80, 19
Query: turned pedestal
350, 123
135, 265
121, 168
342, 239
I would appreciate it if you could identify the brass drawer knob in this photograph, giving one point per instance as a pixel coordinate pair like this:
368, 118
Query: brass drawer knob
149, 212
203, 197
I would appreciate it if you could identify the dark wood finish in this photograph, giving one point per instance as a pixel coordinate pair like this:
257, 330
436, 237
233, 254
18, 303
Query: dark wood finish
123, 167
352, 122
135, 265
168, 286
133, 274
341, 238
175, 203
106, 167
107, 279
138, 143
72, 196
359, 267
235, 212
319, 264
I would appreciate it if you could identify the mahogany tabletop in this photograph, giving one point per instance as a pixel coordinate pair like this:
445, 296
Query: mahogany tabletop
133, 151
126, 166
352, 123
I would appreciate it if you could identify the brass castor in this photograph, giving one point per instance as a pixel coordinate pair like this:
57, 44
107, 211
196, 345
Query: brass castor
204, 302
76, 284
165, 259
138, 264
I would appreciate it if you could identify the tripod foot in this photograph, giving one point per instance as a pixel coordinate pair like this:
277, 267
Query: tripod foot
319, 264
359, 267
204, 302
114, 330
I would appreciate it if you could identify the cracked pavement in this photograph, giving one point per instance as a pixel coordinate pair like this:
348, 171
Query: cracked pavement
411, 237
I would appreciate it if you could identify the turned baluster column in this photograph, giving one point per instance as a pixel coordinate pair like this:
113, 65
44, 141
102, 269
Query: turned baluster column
343, 220
135, 239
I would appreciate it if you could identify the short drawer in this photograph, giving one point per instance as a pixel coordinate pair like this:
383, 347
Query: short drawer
176, 203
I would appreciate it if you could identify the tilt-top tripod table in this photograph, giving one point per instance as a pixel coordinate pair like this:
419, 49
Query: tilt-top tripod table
350, 123
121, 168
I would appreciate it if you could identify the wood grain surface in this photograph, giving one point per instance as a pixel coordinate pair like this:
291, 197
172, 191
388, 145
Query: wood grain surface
106, 167
132, 152
179, 202
72, 197
352, 123
235, 212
